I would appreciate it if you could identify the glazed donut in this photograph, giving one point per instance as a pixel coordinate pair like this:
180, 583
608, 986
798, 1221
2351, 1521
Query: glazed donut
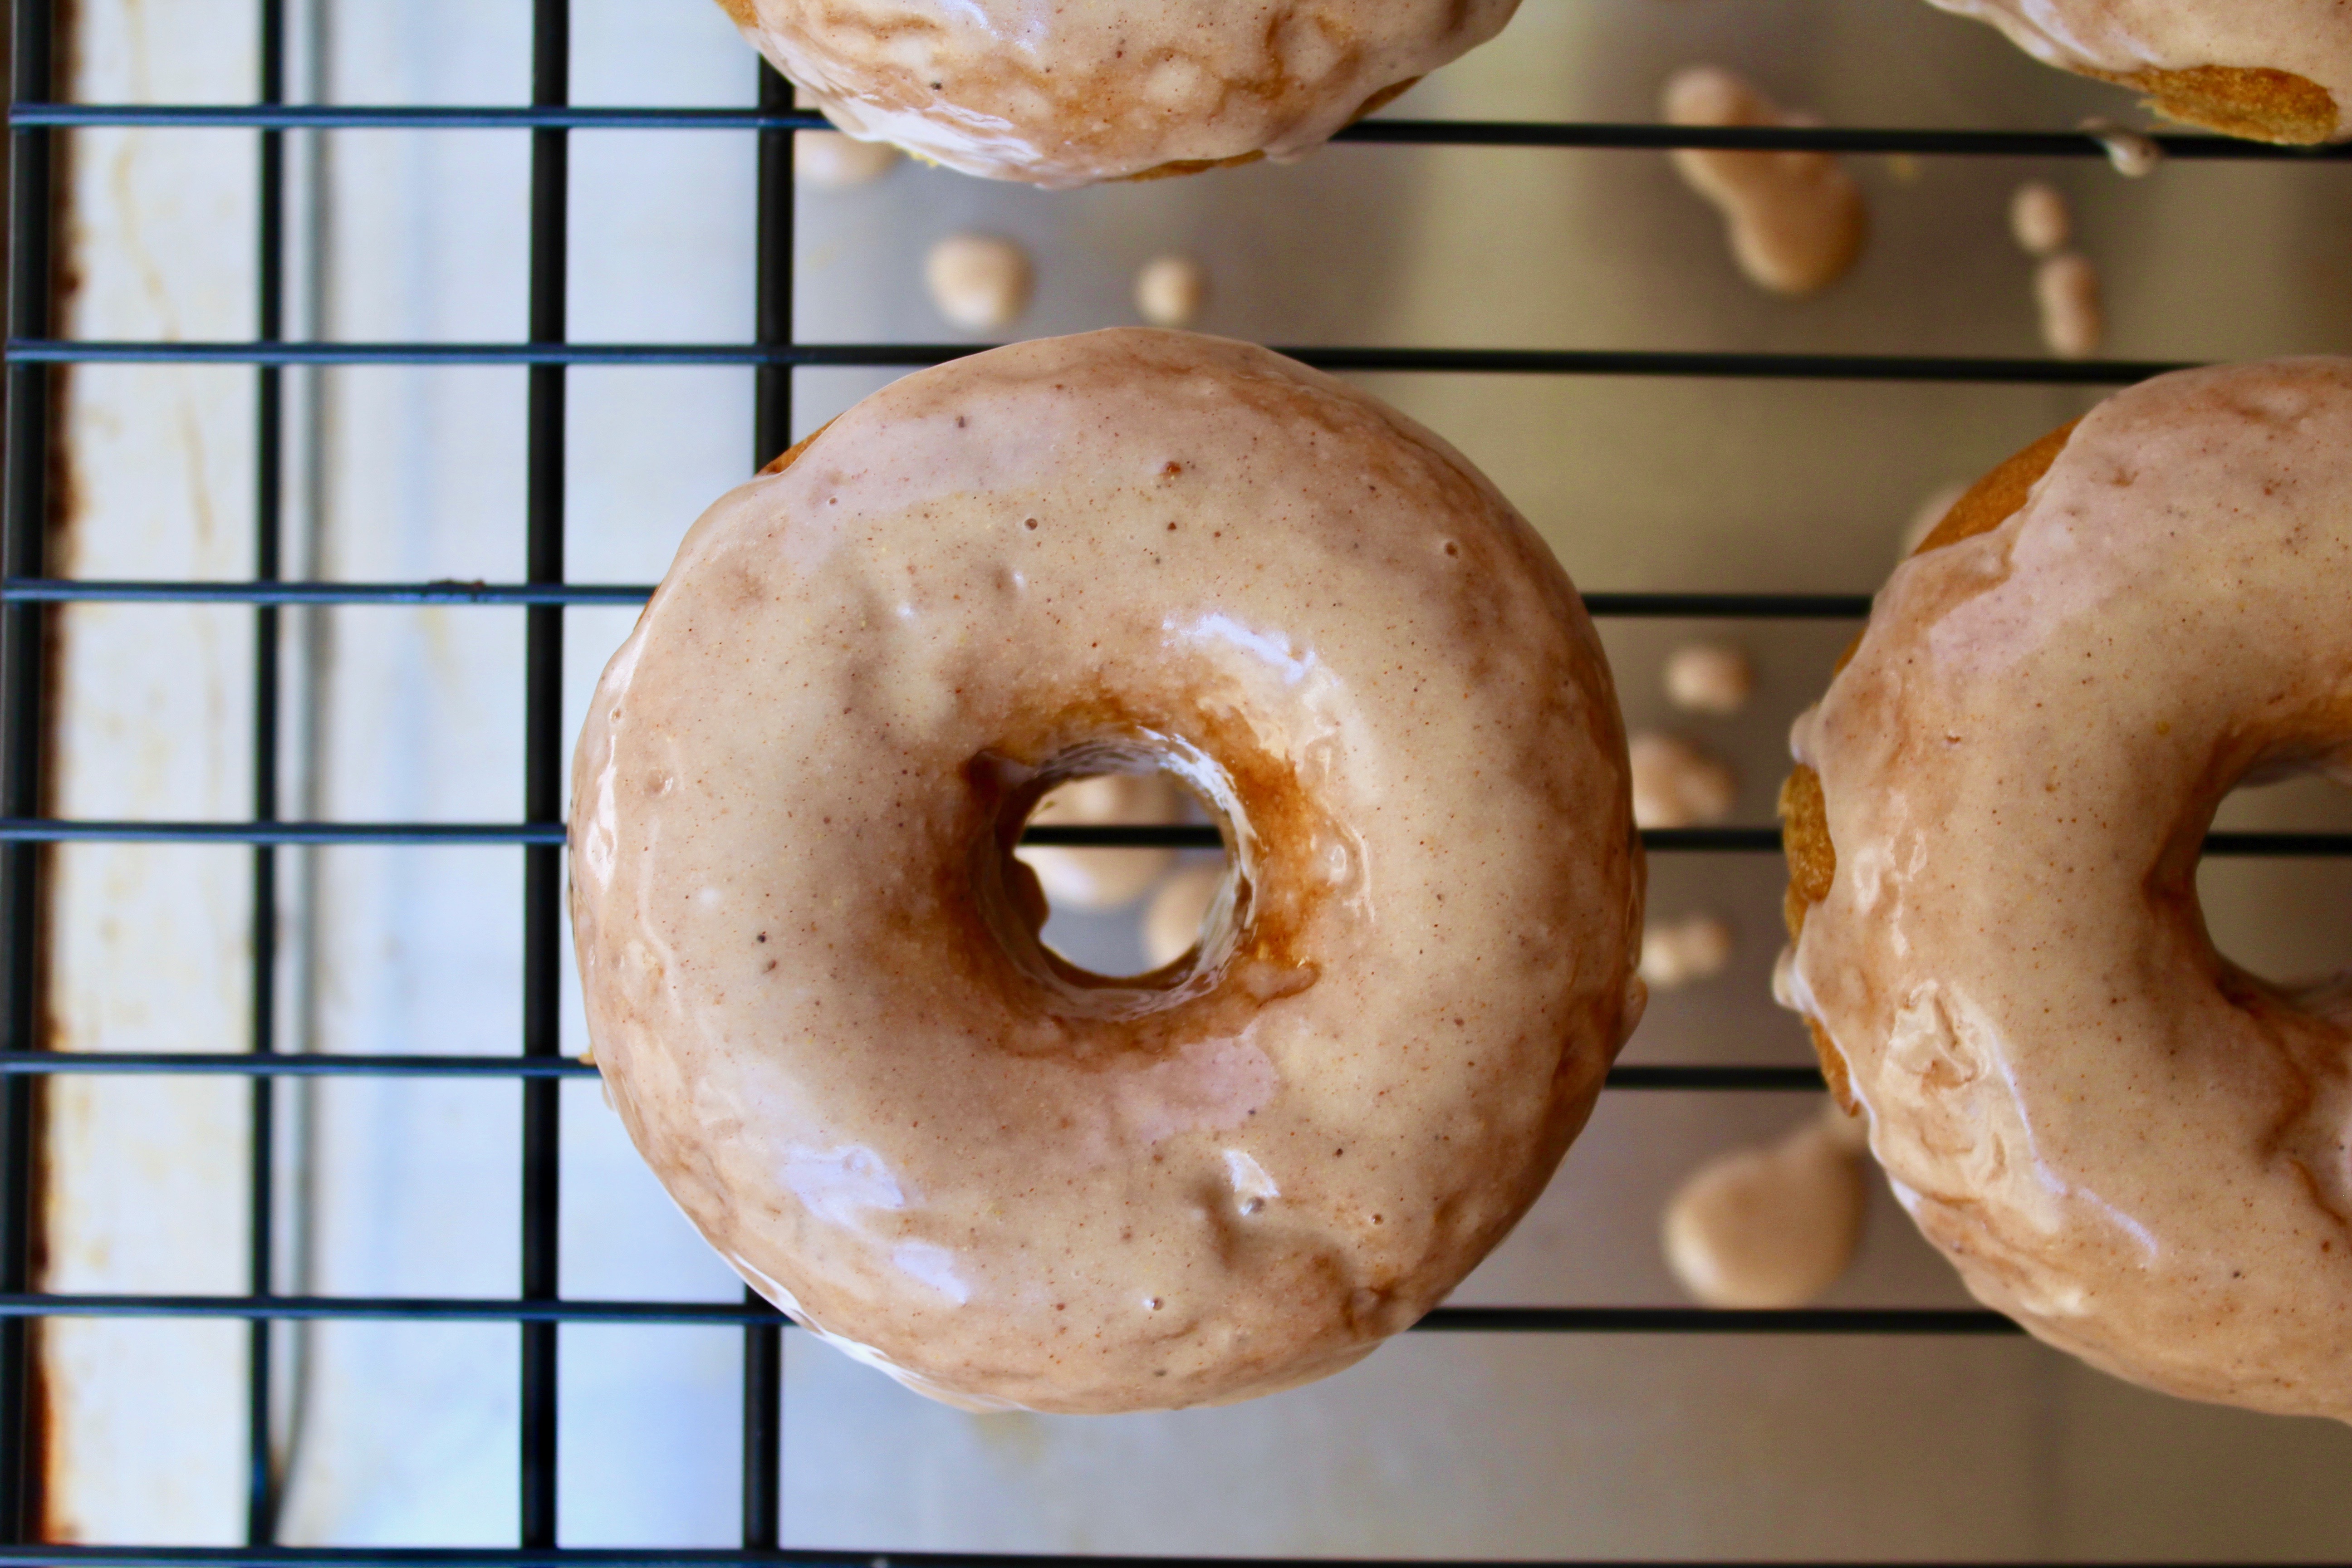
2270, 70
1108, 89
813, 981
2136, 1149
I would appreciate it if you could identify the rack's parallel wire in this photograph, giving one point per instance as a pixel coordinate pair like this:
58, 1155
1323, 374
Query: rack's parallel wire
451, 591
246, 1064
23, 677
1417, 132
637, 1557
1956, 368
1666, 840
542, 905
721, 1314
538, 1308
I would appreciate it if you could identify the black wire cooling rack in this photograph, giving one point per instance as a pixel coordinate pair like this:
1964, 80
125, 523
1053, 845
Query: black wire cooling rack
538, 1311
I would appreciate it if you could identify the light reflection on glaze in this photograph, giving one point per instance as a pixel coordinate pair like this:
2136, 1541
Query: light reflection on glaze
849, 1069
933, 1266
1078, 90
842, 1187
1253, 1188
1293, 664
2137, 1150
2311, 38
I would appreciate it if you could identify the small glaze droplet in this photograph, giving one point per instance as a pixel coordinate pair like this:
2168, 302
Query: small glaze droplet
828, 161
1678, 785
1714, 678
1678, 952
1170, 290
2040, 219
2066, 292
1774, 1225
979, 281
2134, 155
1797, 220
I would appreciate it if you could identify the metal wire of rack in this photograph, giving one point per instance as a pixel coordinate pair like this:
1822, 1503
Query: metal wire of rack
537, 1310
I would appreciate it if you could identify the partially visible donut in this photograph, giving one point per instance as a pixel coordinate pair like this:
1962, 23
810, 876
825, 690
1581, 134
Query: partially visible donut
1083, 90
810, 963
2269, 70
2140, 1152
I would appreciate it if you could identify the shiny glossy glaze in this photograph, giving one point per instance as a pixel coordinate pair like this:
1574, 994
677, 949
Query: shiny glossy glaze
2143, 42
810, 963
2138, 1151
1066, 92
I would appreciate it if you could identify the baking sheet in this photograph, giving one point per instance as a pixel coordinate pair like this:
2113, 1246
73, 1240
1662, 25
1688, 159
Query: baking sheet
1486, 1445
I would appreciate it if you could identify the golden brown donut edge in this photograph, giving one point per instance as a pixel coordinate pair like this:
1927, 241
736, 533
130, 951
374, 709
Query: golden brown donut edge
791, 454
742, 9
2254, 102
1183, 166
1804, 815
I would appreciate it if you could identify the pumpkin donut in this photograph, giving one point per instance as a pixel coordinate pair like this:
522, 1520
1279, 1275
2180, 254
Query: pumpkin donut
811, 960
2136, 1149
1083, 90
2269, 70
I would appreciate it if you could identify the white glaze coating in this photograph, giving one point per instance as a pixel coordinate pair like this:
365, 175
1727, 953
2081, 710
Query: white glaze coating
818, 1008
1066, 92
2137, 1151
2310, 38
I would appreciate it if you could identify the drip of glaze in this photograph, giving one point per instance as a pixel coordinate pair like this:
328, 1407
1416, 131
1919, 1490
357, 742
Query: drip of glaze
1796, 221
1773, 1225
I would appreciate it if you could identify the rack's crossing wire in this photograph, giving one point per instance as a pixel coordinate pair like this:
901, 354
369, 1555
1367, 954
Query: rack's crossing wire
49, 1063
1959, 368
593, 1557
1442, 1319
542, 917
1599, 134
538, 1309
451, 591
23, 518
1670, 840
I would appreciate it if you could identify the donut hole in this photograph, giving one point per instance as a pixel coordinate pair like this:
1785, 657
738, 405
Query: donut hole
2281, 919
1135, 917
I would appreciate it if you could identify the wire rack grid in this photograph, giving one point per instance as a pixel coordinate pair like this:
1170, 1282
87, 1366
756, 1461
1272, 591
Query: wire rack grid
538, 1311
